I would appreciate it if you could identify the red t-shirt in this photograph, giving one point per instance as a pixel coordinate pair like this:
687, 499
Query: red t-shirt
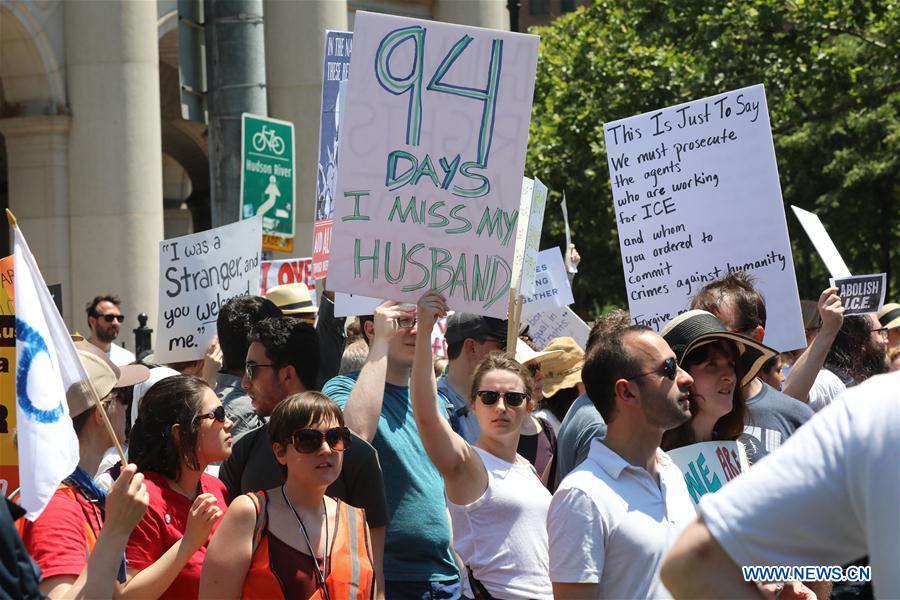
163, 525
57, 540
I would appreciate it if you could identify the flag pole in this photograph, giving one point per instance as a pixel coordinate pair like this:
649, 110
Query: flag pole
95, 396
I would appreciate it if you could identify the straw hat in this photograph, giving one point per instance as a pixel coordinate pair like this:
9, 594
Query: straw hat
889, 315
292, 299
525, 355
695, 328
563, 370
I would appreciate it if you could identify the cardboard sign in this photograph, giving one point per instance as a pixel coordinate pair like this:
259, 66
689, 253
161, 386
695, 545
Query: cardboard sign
861, 294
9, 456
696, 196
556, 322
553, 289
528, 236
821, 241
198, 273
708, 466
338, 47
431, 160
283, 272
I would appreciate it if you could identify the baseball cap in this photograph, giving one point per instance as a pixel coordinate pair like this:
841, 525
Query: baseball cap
126, 375
563, 370
78, 396
154, 375
694, 328
462, 326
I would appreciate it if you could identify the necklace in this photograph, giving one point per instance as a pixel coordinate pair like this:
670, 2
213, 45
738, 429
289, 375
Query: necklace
320, 576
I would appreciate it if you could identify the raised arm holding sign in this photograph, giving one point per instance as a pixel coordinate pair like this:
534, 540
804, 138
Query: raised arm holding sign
432, 155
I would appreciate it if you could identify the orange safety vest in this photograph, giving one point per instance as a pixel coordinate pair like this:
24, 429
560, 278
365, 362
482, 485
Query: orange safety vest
90, 536
350, 576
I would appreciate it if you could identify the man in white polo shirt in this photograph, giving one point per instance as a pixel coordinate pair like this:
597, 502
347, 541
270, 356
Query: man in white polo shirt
614, 516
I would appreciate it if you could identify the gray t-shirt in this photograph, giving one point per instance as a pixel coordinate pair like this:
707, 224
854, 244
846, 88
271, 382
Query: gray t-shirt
772, 417
573, 440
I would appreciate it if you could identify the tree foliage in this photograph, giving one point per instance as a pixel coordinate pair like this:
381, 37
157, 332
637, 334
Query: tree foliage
832, 74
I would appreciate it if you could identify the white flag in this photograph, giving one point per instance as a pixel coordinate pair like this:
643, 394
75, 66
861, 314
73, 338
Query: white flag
46, 365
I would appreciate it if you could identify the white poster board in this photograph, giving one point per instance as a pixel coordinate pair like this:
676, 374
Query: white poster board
552, 284
696, 196
708, 466
283, 272
820, 239
556, 322
198, 273
431, 161
528, 235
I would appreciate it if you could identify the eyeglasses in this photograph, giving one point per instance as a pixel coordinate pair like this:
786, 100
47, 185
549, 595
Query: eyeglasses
883, 332
307, 441
489, 397
218, 414
499, 342
110, 317
669, 369
406, 322
249, 367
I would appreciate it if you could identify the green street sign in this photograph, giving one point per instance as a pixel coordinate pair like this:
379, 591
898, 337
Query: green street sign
267, 173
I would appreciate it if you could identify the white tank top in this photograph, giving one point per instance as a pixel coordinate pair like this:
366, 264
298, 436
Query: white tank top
502, 536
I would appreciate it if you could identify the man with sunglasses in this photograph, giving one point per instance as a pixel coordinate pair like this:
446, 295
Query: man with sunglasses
616, 514
104, 320
469, 339
376, 404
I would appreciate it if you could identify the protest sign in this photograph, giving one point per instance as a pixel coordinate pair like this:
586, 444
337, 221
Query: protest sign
556, 322
431, 160
267, 174
820, 239
283, 272
861, 294
708, 466
696, 196
565, 211
552, 284
528, 236
198, 273
9, 457
338, 46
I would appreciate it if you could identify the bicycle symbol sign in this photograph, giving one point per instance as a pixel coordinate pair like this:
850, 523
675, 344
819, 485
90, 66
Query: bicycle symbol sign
267, 173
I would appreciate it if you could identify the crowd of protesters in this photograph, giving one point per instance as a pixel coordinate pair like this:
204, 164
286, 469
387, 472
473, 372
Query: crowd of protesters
308, 457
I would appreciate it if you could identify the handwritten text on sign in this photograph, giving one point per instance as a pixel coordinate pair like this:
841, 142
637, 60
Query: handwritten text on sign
556, 322
708, 466
431, 161
198, 273
696, 195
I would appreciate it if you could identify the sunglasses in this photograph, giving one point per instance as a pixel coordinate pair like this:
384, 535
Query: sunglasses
111, 318
218, 414
307, 441
669, 369
489, 398
249, 367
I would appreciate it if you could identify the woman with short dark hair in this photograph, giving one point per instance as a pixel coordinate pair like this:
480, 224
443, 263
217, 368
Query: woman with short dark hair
181, 428
293, 541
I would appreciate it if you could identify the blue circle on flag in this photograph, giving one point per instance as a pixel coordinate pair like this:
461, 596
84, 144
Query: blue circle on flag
31, 345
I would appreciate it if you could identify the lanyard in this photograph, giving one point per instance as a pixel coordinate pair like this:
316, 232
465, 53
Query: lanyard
320, 576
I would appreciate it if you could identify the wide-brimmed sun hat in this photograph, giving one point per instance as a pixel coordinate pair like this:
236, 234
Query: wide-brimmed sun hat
526, 356
695, 328
564, 369
889, 315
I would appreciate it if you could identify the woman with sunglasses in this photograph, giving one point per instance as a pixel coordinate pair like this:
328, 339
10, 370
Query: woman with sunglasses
181, 428
498, 505
293, 541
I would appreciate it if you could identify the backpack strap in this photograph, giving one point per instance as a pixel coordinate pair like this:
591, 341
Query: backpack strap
260, 500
